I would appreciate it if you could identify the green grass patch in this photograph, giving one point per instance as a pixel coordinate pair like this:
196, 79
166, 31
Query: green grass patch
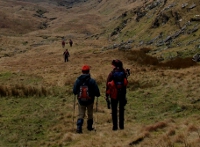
5, 76
28, 122
150, 105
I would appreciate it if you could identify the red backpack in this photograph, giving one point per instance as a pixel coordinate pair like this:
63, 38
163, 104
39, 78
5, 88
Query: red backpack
119, 81
84, 91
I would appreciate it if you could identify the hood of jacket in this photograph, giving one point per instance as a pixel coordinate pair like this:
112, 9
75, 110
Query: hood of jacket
83, 77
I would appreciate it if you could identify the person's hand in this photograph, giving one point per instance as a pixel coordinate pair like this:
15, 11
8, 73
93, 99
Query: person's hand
108, 102
128, 73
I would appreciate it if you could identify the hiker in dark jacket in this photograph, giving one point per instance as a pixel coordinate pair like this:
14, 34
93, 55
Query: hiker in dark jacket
85, 100
70, 42
116, 90
66, 55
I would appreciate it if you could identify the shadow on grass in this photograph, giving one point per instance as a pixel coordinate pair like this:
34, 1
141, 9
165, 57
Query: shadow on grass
142, 58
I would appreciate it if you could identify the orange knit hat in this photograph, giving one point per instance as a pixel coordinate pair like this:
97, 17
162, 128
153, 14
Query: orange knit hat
85, 68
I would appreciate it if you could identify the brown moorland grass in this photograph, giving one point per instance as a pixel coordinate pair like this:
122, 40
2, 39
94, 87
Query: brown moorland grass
155, 93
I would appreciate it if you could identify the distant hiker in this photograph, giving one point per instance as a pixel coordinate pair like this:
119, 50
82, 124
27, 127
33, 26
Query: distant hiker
86, 89
70, 42
66, 55
63, 43
116, 90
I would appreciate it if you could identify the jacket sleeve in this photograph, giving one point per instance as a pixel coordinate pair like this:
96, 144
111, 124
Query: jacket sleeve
96, 89
75, 88
109, 79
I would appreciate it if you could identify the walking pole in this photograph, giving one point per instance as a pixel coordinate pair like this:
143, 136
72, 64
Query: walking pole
97, 105
74, 109
96, 114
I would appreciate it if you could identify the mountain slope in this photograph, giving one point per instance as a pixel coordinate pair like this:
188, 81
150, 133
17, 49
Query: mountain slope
37, 104
166, 26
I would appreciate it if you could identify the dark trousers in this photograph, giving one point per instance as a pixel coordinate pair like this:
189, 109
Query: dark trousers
66, 58
114, 103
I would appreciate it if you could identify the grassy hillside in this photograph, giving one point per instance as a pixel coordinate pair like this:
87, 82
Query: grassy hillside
167, 27
36, 106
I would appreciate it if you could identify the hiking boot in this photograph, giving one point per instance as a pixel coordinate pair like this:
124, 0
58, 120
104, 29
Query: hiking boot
90, 129
79, 131
121, 128
79, 125
114, 128
89, 124
121, 125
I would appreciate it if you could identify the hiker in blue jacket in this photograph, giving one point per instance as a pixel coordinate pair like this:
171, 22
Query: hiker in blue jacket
86, 89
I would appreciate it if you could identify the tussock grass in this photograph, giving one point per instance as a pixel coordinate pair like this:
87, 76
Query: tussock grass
171, 132
163, 97
193, 128
23, 91
158, 125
